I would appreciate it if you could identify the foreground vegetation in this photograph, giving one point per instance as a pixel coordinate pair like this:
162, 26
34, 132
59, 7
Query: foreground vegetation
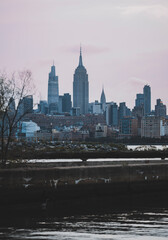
84, 151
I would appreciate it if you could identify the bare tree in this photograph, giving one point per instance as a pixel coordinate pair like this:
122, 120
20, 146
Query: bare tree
12, 92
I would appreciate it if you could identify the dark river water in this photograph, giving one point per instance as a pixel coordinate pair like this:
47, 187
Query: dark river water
149, 224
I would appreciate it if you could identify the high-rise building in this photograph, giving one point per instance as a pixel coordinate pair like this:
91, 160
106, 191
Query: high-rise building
25, 106
129, 126
152, 127
103, 100
53, 90
43, 107
81, 87
28, 104
112, 114
139, 99
123, 111
147, 99
66, 103
160, 109
60, 110
96, 108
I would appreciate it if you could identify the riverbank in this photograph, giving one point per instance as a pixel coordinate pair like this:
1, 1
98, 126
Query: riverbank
81, 187
84, 151
84, 155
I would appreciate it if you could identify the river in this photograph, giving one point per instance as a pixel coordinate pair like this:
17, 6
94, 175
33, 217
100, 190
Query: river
116, 224
145, 224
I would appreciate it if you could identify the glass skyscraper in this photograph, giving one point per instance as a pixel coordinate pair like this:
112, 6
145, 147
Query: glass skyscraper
147, 99
53, 91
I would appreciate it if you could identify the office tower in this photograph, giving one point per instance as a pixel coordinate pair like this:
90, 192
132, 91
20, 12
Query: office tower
112, 114
26, 106
129, 126
139, 100
103, 100
160, 109
66, 103
60, 104
53, 108
147, 99
123, 111
96, 107
81, 87
43, 107
53, 91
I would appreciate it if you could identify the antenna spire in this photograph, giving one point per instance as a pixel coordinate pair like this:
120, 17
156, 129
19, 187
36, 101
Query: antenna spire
80, 57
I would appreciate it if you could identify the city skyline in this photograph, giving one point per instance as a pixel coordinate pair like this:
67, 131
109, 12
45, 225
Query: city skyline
124, 44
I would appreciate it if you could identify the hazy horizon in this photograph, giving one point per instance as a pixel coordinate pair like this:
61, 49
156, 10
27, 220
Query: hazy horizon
124, 44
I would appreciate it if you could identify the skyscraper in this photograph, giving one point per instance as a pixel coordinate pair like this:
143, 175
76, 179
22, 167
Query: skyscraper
123, 111
160, 109
66, 103
139, 100
112, 114
147, 99
26, 106
53, 91
81, 87
103, 100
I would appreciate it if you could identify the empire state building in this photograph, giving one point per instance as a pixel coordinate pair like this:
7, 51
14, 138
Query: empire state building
81, 87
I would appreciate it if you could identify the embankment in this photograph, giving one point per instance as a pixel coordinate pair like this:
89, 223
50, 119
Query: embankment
90, 187
84, 155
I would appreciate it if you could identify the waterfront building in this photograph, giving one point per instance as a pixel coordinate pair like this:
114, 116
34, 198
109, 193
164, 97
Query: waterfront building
147, 99
81, 87
53, 90
160, 109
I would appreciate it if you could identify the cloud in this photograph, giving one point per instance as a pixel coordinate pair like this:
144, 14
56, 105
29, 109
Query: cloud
138, 81
157, 10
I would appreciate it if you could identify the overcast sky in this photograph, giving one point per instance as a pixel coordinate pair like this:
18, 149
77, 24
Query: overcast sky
124, 44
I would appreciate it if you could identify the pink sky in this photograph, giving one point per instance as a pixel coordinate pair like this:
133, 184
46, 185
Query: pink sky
124, 44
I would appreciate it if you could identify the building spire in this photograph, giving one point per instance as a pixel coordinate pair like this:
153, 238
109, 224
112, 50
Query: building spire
103, 88
103, 97
80, 57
